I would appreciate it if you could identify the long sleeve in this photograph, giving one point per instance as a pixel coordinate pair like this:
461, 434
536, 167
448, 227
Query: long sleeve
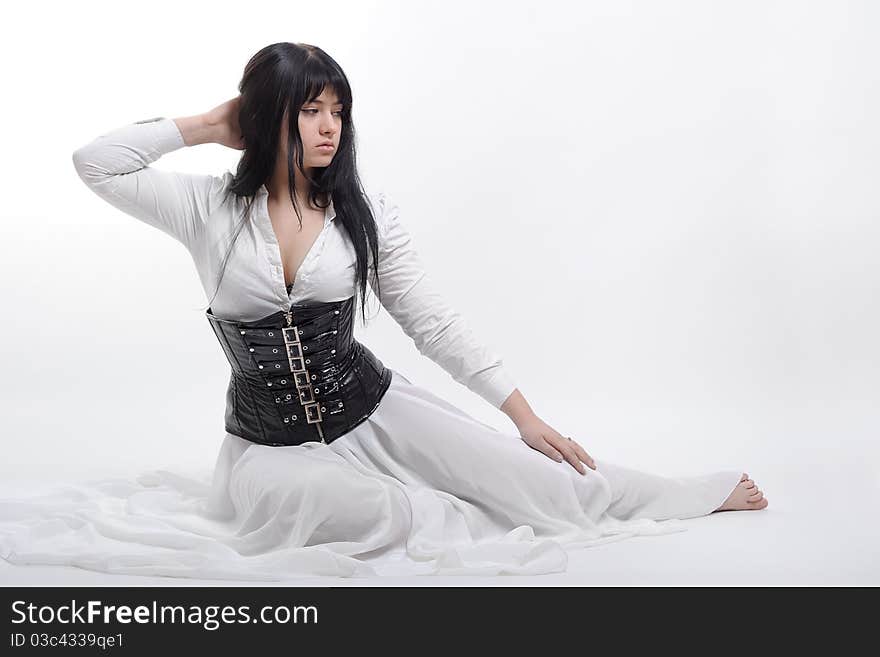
116, 167
438, 331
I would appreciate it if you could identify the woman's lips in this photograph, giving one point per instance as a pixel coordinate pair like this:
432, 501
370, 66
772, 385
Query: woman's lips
326, 148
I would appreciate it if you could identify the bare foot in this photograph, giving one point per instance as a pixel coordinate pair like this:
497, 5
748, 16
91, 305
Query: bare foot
745, 497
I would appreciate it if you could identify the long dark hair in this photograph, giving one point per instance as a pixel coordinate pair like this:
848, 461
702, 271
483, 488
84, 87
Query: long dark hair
280, 78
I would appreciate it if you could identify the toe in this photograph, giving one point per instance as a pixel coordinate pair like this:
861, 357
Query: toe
755, 497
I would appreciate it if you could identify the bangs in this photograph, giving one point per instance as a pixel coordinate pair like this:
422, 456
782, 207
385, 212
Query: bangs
317, 77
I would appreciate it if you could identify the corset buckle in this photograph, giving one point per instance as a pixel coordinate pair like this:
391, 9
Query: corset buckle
313, 412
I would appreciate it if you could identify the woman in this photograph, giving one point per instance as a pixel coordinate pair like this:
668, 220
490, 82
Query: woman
332, 463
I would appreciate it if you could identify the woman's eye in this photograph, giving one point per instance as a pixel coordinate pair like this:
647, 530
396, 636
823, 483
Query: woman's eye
314, 110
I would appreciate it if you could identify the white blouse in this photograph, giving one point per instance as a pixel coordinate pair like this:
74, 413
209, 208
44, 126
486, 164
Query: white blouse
192, 209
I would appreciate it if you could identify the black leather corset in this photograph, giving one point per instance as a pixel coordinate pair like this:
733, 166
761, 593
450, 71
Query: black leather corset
299, 376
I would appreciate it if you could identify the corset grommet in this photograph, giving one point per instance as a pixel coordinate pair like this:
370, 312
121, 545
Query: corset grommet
335, 312
332, 351
283, 381
305, 347
323, 410
287, 419
293, 417
251, 350
260, 366
314, 376
316, 391
269, 384
277, 366
270, 333
274, 351
242, 331
335, 332
340, 404
308, 361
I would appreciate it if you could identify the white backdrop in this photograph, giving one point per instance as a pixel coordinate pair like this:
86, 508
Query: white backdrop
663, 215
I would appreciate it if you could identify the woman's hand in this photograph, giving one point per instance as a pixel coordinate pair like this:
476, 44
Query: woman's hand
225, 128
539, 435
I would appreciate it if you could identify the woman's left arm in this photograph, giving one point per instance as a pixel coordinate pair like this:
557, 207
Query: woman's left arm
438, 330
442, 334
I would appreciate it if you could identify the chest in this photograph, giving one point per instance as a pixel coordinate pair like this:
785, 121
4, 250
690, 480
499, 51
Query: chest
254, 262
295, 241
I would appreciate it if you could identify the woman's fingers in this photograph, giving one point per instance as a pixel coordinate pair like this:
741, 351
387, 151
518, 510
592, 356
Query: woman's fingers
583, 456
549, 450
574, 454
560, 448
566, 446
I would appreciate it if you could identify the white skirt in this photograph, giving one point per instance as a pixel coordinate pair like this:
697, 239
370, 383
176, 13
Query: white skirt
418, 488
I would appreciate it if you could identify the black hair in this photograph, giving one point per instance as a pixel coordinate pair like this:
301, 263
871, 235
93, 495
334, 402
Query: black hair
279, 79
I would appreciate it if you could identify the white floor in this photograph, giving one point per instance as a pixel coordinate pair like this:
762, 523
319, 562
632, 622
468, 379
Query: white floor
816, 531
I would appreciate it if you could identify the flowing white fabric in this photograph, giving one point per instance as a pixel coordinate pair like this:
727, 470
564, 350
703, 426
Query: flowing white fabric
419, 488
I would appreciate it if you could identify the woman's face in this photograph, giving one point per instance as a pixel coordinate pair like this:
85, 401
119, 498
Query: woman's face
320, 122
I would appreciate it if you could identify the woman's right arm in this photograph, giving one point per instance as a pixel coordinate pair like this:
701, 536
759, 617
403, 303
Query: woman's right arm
116, 166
